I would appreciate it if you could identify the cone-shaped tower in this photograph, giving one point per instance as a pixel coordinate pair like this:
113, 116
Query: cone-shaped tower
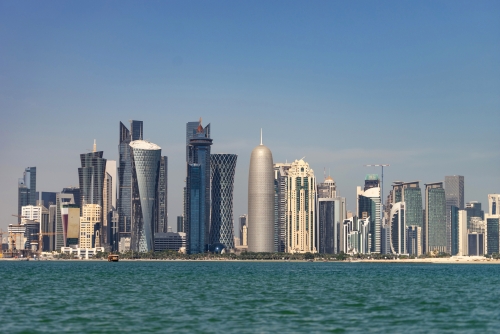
261, 200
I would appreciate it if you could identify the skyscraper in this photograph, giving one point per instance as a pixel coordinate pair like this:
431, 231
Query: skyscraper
60, 237
435, 218
223, 167
398, 228
369, 205
48, 198
91, 179
301, 206
280, 205
145, 172
243, 230
261, 200
197, 192
125, 178
492, 222
180, 224
454, 192
26, 193
162, 218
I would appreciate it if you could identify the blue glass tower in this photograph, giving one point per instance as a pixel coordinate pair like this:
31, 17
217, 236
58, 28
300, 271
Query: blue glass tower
197, 193
125, 176
223, 167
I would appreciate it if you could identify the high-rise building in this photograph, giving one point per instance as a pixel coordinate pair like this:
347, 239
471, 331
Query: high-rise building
73, 191
327, 189
462, 233
243, 224
26, 194
474, 209
280, 205
331, 213
162, 218
90, 226
398, 228
180, 224
70, 217
492, 221
197, 192
435, 218
414, 240
369, 205
145, 171
223, 167
455, 230
261, 200
91, 177
48, 198
111, 170
301, 206
454, 192
124, 201
62, 199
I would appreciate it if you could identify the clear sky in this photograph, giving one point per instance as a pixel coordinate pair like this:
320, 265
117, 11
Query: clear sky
415, 84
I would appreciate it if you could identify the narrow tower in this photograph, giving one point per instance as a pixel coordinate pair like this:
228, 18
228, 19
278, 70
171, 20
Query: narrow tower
261, 200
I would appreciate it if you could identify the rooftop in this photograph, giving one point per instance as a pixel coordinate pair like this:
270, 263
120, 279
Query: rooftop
144, 145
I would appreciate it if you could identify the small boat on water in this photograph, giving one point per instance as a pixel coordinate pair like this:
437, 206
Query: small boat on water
113, 258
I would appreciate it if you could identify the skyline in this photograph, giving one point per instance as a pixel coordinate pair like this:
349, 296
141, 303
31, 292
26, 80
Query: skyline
415, 86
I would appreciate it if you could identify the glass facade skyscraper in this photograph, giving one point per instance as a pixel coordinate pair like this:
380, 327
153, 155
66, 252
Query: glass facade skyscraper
369, 205
162, 219
454, 230
91, 178
145, 171
454, 192
27, 194
197, 192
223, 167
435, 218
125, 176
492, 237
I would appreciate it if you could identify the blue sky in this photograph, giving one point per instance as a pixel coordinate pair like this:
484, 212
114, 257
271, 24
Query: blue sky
343, 83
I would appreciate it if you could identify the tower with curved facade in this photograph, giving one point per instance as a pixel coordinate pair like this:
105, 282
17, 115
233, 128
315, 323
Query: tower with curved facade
261, 200
223, 167
145, 173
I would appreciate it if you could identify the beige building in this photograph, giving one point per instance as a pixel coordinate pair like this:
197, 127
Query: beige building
462, 233
301, 209
91, 215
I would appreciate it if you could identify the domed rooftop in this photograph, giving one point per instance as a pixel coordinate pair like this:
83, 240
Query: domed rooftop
144, 145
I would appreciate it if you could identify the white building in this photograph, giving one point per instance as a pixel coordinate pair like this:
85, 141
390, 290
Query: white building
301, 208
82, 253
462, 233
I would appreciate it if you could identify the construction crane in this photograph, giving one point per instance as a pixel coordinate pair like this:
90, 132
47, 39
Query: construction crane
381, 186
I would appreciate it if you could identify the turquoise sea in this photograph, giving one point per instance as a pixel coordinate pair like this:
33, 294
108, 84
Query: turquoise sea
247, 297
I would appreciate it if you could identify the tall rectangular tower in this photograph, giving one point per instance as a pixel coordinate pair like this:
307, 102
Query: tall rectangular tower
435, 218
162, 219
27, 194
454, 191
370, 205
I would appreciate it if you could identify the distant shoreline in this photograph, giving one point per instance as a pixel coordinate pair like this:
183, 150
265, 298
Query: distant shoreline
452, 260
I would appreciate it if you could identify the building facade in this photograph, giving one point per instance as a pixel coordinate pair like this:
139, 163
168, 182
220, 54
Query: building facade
435, 218
26, 192
301, 208
162, 215
223, 167
369, 205
454, 192
261, 201
145, 172
90, 222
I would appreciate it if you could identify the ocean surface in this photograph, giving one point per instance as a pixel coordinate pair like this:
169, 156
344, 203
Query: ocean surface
247, 297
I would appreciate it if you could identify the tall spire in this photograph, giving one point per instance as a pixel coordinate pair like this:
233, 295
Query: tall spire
261, 136
95, 147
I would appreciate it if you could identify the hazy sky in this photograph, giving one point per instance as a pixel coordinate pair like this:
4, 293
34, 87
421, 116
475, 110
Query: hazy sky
415, 84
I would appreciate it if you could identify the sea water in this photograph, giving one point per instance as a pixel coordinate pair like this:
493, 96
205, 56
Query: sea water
247, 297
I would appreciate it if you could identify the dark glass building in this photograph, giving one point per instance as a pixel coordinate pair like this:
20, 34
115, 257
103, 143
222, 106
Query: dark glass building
27, 194
125, 176
180, 224
492, 230
74, 191
197, 193
48, 198
454, 230
91, 178
223, 167
474, 210
454, 192
162, 219
146, 158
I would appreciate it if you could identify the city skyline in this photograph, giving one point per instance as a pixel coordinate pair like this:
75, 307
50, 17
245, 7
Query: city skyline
408, 73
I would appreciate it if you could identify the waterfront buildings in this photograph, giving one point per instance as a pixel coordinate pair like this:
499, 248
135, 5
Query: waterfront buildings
223, 167
330, 214
301, 208
170, 241
462, 233
62, 202
243, 230
435, 218
261, 200
492, 221
91, 177
90, 222
369, 205
197, 191
398, 228
162, 214
145, 171
124, 201
454, 192
280, 205
26, 190
414, 240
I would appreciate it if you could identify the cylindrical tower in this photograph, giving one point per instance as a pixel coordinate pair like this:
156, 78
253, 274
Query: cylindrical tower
261, 200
